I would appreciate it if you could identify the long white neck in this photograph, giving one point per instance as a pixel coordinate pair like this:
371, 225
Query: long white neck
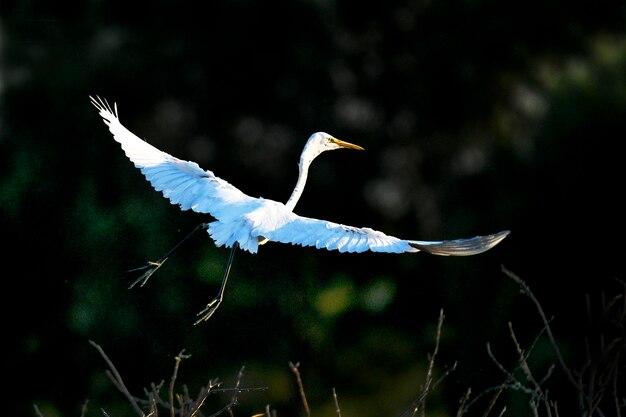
303, 168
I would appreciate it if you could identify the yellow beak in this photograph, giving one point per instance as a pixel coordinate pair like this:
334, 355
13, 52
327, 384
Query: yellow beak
346, 145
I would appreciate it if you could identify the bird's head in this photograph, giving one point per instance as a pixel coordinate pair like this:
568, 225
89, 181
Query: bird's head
321, 142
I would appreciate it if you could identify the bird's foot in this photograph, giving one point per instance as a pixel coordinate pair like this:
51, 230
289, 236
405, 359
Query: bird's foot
209, 310
150, 268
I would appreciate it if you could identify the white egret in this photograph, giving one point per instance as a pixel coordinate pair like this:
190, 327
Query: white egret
247, 222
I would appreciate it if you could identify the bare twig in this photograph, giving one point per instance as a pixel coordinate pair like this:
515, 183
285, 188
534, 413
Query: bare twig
616, 396
233, 400
202, 396
483, 393
523, 358
187, 406
83, 409
37, 411
500, 387
420, 402
294, 369
239, 390
186, 400
536, 393
525, 289
510, 381
415, 404
153, 400
337, 409
268, 412
597, 377
117, 380
462, 408
177, 359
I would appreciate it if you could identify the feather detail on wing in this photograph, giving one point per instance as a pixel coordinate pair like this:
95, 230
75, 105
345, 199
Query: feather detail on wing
288, 227
323, 234
461, 247
182, 182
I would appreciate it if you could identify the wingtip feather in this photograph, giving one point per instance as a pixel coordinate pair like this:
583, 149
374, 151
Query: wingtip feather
462, 247
104, 108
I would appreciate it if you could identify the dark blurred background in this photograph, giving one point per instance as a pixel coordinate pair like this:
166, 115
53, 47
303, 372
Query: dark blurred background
476, 116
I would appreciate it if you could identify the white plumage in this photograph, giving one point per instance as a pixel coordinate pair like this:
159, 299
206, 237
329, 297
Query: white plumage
246, 222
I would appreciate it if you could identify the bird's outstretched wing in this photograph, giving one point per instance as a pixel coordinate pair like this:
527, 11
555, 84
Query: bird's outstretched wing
332, 236
274, 222
182, 182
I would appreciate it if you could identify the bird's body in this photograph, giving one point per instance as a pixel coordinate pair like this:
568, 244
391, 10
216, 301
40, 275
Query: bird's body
246, 222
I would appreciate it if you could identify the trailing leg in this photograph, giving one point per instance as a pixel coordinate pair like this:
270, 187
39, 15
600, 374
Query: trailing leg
208, 311
151, 267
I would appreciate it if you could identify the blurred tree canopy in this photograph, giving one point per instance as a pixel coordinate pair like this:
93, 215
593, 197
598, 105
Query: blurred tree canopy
476, 116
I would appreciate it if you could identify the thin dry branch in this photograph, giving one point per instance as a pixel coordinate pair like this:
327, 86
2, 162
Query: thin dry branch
117, 379
37, 411
187, 407
337, 409
499, 389
268, 412
525, 289
429, 373
464, 399
202, 396
429, 385
233, 400
536, 393
510, 382
178, 359
83, 409
294, 369
597, 377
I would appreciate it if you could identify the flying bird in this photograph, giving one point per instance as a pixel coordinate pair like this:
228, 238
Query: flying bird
247, 222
